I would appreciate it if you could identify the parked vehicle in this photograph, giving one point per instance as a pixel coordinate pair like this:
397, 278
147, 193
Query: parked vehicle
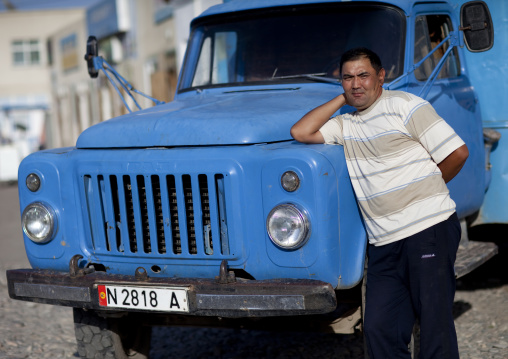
204, 211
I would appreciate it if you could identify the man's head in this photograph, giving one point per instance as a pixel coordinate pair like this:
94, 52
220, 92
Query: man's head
362, 77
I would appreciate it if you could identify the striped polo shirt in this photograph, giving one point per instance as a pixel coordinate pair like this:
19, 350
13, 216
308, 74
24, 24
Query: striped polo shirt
392, 150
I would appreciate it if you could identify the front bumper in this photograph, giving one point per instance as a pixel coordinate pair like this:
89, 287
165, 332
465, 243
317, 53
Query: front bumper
206, 297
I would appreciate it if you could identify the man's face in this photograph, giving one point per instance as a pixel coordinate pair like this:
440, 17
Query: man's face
362, 86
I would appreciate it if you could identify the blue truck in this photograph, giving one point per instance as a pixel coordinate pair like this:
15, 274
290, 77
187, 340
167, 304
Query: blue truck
205, 212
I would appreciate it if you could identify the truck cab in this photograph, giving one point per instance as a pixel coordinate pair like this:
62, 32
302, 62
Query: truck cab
204, 210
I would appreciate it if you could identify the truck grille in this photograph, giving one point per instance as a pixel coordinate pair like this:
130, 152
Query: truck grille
157, 215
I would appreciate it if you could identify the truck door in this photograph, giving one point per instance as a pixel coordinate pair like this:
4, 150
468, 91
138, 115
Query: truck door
453, 98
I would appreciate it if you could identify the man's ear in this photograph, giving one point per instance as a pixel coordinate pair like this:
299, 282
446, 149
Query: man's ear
381, 76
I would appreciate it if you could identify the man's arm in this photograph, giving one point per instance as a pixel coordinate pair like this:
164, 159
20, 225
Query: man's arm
452, 164
307, 128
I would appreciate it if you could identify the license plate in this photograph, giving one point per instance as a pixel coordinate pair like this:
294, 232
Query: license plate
167, 299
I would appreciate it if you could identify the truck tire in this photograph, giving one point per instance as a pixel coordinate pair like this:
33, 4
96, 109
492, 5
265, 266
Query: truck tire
110, 338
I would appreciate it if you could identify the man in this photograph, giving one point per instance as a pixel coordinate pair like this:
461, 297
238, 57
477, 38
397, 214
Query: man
399, 155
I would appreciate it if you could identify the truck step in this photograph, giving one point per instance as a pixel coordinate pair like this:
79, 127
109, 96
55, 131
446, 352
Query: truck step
472, 255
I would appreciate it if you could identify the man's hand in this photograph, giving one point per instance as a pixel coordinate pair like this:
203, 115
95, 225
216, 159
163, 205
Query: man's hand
307, 128
452, 164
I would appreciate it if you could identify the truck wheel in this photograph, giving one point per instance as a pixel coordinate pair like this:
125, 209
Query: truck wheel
110, 338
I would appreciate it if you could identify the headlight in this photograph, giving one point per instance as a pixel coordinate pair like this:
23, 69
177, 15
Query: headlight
33, 182
290, 181
39, 222
288, 226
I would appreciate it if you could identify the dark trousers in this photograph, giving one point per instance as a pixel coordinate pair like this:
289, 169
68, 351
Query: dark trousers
408, 279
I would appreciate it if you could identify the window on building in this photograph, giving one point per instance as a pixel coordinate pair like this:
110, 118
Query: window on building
26, 52
430, 31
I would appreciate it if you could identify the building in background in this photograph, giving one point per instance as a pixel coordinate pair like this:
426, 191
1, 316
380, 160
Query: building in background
25, 85
144, 40
46, 96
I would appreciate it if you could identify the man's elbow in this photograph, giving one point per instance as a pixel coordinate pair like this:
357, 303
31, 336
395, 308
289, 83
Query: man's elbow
462, 153
297, 134
301, 135
293, 132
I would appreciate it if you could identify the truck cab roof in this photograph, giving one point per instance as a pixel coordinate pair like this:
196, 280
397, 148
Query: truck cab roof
243, 5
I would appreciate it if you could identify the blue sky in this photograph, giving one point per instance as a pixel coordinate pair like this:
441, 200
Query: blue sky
21, 5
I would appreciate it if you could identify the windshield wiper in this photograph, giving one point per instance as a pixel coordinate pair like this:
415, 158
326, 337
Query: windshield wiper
319, 77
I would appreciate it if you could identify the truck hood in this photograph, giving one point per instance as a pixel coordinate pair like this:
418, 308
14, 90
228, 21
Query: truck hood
246, 116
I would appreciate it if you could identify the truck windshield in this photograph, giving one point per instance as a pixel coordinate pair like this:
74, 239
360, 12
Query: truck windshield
290, 44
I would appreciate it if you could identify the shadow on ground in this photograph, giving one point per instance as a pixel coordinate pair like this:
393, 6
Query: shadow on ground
494, 273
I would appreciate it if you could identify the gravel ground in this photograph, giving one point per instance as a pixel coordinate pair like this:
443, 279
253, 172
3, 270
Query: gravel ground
29, 330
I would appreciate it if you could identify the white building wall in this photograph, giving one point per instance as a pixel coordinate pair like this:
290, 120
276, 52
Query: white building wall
25, 89
25, 25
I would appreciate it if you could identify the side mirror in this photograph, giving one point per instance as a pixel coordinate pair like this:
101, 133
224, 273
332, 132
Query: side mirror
92, 50
477, 25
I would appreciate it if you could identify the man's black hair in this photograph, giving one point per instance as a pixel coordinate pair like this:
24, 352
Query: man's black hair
359, 53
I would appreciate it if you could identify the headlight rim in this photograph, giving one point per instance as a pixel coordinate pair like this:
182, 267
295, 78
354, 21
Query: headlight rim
303, 214
53, 225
